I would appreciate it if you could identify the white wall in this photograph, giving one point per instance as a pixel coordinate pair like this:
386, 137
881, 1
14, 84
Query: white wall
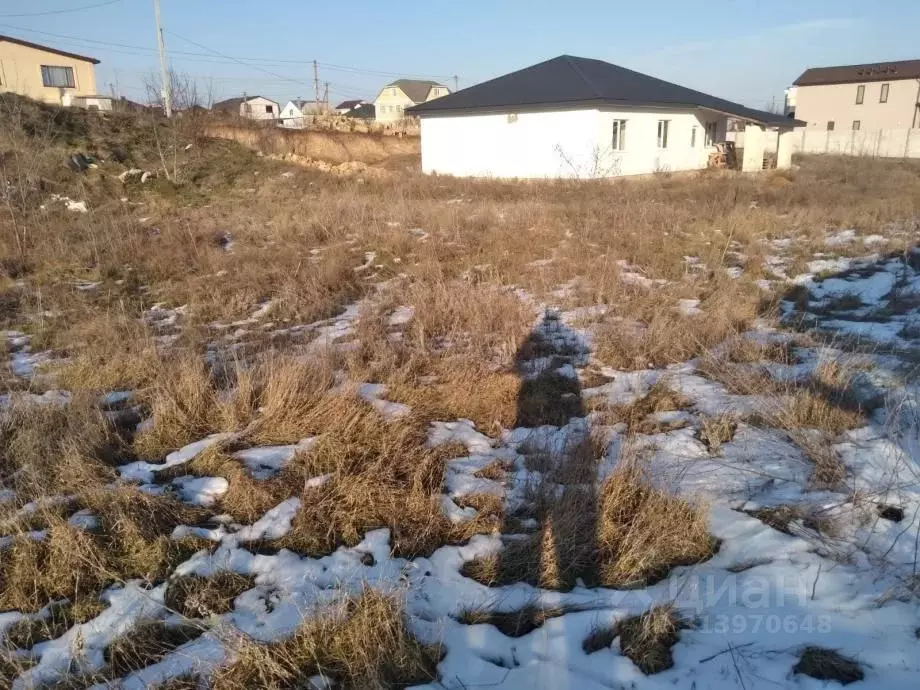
561, 143
547, 144
642, 155
257, 111
291, 116
885, 143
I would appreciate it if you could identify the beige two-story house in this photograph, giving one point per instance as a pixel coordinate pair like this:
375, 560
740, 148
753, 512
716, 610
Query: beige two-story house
46, 74
881, 96
396, 97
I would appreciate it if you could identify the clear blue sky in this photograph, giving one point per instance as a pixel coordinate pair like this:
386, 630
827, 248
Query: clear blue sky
743, 50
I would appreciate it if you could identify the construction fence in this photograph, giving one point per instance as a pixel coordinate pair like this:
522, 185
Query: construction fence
883, 143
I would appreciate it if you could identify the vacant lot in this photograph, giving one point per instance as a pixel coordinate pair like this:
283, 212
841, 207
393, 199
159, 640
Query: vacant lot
264, 426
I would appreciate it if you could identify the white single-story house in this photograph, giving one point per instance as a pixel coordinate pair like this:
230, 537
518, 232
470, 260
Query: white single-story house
252, 108
298, 113
577, 117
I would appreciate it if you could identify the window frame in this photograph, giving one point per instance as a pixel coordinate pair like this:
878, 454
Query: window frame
270, 110
618, 135
857, 125
693, 136
831, 124
663, 130
860, 94
47, 79
883, 93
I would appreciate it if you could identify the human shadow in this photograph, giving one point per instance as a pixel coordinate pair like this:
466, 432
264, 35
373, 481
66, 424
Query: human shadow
551, 419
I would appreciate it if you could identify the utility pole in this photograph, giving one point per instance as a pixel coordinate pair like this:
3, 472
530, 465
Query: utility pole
326, 96
164, 69
316, 100
456, 83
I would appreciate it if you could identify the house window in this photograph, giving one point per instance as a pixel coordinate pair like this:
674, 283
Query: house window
663, 126
618, 142
436, 92
711, 132
860, 94
856, 125
60, 77
269, 109
830, 125
247, 108
883, 96
693, 138
392, 92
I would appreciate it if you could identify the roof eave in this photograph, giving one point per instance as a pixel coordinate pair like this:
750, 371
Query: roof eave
428, 109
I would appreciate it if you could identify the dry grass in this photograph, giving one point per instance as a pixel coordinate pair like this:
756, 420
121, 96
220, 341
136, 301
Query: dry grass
271, 400
827, 664
382, 475
805, 409
715, 431
73, 564
513, 623
647, 639
51, 450
459, 265
639, 417
146, 644
61, 616
201, 597
108, 351
362, 643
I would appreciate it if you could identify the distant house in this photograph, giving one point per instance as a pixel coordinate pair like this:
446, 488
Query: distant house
365, 111
884, 95
249, 107
398, 96
297, 113
347, 106
576, 117
48, 74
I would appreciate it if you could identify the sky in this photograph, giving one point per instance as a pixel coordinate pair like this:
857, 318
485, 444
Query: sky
742, 50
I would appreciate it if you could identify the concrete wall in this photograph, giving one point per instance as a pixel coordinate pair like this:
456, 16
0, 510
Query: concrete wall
818, 105
888, 143
562, 143
21, 72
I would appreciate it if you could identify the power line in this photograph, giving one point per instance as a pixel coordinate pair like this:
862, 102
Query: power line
234, 59
228, 57
62, 11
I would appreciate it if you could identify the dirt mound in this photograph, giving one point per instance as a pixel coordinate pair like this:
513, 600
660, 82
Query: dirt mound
329, 147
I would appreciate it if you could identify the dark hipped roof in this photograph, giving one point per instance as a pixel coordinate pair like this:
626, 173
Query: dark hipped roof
348, 105
416, 89
48, 49
365, 111
568, 79
235, 103
847, 74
